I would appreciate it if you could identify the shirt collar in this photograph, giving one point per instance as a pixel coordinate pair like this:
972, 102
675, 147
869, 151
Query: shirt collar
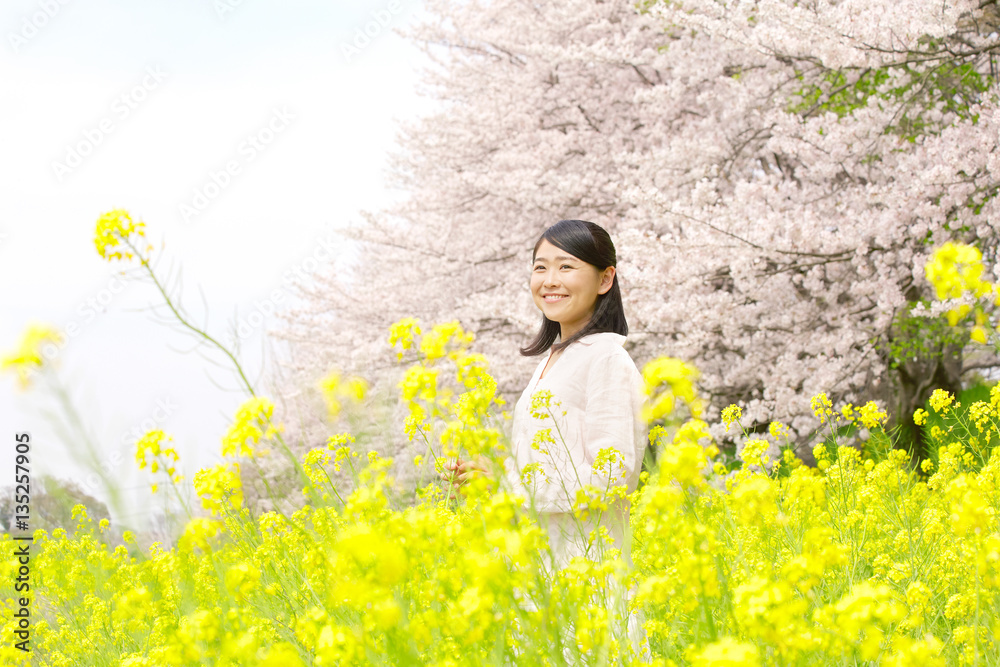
590, 339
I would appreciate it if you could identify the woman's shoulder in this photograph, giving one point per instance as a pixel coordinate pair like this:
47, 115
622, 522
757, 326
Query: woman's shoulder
609, 367
603, 340
607, 346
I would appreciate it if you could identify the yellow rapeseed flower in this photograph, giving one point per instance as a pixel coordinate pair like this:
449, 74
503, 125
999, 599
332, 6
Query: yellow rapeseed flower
541, 404
940, 400
150, 443
731, 415
198, 532
281, 654
402, 332
434, 345
907, 652
667, 380
419, 382
753, 453
241, 580
777, 430
27, 358
473, 370
683, 461
219, 485
116, 232
726, 652
251, 425
956, 268
336, 389
870, 416
821, 407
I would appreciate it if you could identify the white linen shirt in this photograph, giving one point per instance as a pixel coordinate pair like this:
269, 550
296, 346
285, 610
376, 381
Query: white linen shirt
601, 391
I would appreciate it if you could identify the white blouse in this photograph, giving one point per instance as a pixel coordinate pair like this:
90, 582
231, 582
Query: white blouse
599, 388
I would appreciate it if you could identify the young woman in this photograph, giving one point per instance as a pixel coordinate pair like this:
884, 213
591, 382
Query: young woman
594, 413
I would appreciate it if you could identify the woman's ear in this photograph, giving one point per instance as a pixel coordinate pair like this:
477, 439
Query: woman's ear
606, 280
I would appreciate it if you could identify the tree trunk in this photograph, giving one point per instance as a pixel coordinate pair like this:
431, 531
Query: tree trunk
912, 383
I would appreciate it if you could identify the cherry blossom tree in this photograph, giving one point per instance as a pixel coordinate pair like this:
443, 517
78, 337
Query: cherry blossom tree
775, 175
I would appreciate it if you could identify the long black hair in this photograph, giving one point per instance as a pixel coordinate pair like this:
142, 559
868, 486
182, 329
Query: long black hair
590, 243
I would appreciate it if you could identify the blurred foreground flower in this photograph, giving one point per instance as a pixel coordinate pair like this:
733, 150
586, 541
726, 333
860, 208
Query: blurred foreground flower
725, 651
675, 380
27, 358
955, 270
336, 389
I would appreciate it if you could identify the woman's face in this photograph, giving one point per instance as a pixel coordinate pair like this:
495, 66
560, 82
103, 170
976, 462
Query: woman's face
573, 284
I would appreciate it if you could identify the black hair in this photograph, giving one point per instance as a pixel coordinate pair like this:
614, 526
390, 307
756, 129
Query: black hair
592, 244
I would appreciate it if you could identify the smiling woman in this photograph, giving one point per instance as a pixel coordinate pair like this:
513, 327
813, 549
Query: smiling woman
578, 425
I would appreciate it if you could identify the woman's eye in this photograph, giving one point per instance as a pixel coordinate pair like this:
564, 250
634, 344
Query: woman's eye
566, 266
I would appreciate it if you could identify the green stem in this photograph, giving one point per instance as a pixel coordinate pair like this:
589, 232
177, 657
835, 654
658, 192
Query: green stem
183, 321
184, 505
76, 423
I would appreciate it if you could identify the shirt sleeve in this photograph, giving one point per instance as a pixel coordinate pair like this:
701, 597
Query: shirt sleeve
610, 416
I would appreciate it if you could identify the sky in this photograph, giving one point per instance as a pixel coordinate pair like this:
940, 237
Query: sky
241, 132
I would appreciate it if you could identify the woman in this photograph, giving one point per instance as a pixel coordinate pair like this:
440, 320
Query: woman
594, 413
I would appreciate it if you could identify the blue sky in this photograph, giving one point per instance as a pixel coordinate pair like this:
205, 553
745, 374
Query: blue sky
240, 132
